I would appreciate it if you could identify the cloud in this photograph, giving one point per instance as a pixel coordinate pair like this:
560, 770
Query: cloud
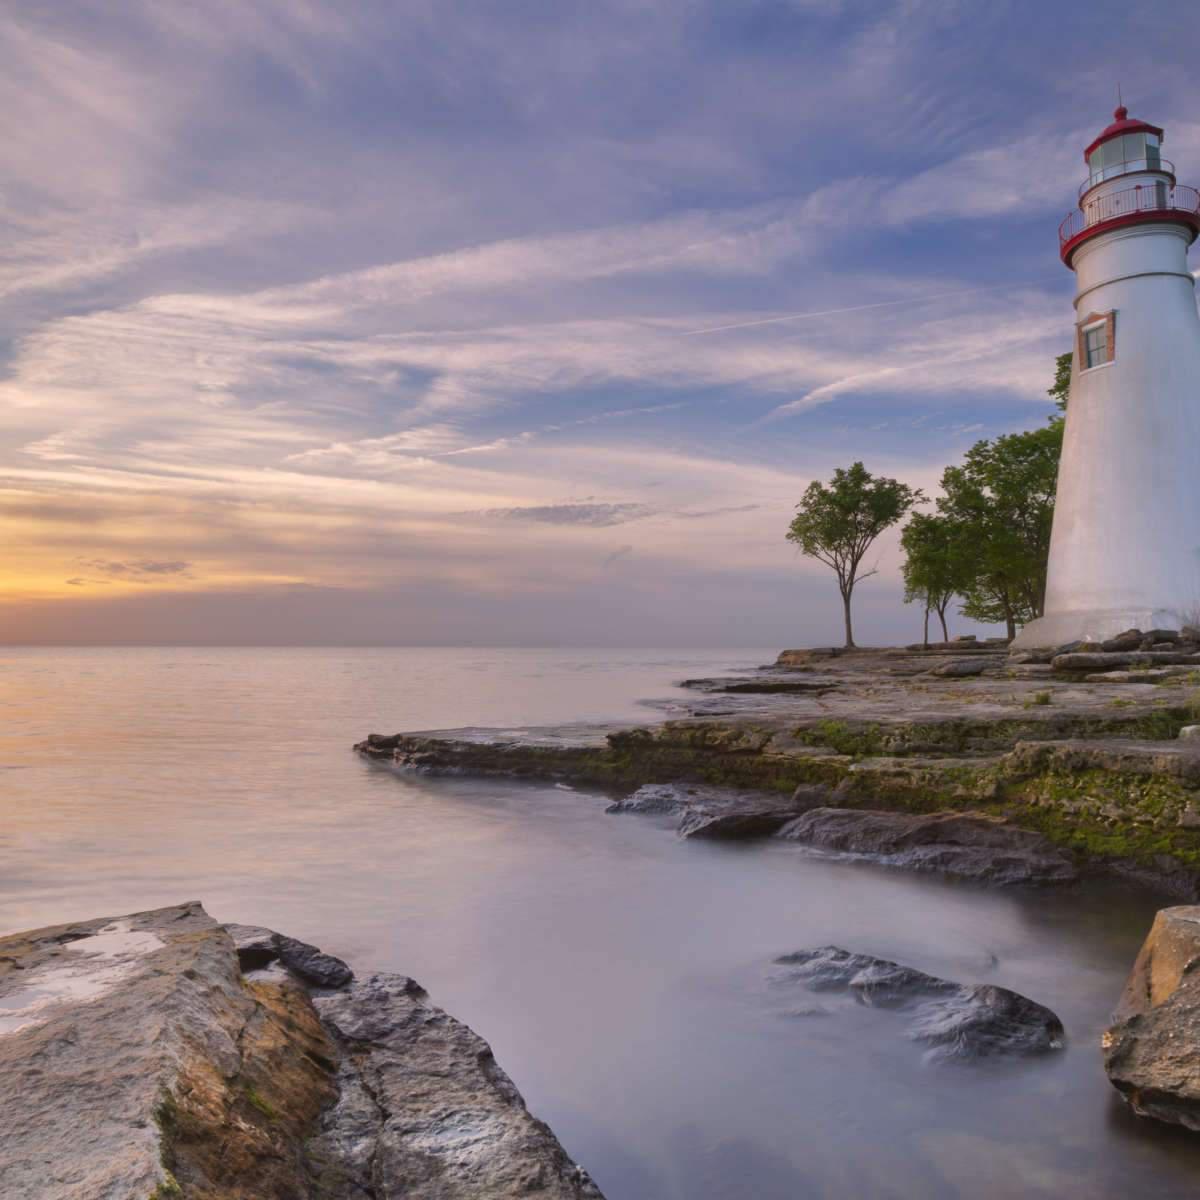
138, 570
596, 516
355, 301
718, 512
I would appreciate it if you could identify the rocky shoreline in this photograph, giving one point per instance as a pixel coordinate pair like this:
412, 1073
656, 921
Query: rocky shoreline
164, 1055
961, 759
1089, 752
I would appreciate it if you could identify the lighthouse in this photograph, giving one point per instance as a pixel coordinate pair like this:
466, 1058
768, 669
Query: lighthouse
1125, 547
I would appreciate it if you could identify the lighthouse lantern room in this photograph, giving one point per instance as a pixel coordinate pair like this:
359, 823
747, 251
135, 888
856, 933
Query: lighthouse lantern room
1125, 549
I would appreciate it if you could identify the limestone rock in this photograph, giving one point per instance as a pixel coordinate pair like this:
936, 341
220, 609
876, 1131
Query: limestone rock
424, 1112
1190, 733
955, 1020
802, 658
145, 1063
735, 824
1084, 661
726, 814
962, 668
258, 947
1131, 639
1152, 1052
161, 1055
974, 845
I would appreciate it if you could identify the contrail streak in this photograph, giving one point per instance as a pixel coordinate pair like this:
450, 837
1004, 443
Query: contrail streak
831, 312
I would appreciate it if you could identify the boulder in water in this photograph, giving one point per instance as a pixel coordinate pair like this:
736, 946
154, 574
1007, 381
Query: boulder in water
957, 1021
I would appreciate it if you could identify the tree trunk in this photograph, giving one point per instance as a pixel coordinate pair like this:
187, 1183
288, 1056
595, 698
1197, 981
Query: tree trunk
941, 612
849, 625
926, 635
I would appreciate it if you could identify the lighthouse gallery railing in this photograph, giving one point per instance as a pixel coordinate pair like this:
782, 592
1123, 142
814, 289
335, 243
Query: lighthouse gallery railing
1154, 197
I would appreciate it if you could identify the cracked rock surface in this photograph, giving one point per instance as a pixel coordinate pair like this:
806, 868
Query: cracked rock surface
164, 1055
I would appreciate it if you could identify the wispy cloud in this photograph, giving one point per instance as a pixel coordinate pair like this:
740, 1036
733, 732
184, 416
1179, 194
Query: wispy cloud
420, 300
596, 516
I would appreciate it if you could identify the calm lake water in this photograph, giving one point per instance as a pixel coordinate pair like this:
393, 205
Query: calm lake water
619, 973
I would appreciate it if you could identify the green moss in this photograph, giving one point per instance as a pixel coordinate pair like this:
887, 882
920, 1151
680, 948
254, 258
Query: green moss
1162, 725
1108, 814
1039, 699
268, 1110
167, 1188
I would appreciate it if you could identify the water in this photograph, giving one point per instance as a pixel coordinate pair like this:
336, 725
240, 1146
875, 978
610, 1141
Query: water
619, 973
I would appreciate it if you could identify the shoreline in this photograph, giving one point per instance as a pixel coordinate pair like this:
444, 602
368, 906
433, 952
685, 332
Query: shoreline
1091, 763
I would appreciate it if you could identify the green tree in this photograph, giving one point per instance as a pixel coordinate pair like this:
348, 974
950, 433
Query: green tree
1002, 501
937, 565
1062, 381
836, 523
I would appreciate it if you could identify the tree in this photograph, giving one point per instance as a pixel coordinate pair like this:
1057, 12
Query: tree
1002, 501
937, 565
836, 523
1062, 381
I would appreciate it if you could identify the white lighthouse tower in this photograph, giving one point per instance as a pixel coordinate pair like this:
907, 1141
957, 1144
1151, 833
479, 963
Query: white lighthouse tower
1125, 550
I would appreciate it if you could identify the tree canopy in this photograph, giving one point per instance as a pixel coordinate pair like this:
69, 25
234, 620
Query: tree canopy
1002, 502
1062, 381
938, 564
836, 523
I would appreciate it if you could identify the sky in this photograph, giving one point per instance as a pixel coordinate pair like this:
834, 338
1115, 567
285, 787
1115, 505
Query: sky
523, 322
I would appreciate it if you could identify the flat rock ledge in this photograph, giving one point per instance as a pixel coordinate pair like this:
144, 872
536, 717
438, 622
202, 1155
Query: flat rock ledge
954, 1021
164, 1055
1152, 1051
1107, 770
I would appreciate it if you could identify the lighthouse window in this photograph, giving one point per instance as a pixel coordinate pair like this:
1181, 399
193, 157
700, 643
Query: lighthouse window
1095, 344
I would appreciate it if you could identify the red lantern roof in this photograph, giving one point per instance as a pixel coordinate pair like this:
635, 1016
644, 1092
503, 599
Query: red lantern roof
1121, 125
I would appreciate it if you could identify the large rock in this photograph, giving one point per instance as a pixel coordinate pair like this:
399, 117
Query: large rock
1100, 661
962, 668
955, 1020
975, 845
1131, 639
155, 1056
424, 1111
1152, 1052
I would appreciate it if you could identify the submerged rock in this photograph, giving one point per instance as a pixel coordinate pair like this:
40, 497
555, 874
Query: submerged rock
1152, 1052
957, 1021
162, 1054
974, 845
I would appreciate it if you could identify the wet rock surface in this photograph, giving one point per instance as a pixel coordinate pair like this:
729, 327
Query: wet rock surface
1152, 1051
955, 1021
162, 1054
973, 845
424, 1110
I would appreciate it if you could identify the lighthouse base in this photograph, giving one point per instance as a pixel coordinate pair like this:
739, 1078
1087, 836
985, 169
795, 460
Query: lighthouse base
1091, 625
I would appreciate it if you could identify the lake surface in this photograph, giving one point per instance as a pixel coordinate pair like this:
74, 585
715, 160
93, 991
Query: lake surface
619, 973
